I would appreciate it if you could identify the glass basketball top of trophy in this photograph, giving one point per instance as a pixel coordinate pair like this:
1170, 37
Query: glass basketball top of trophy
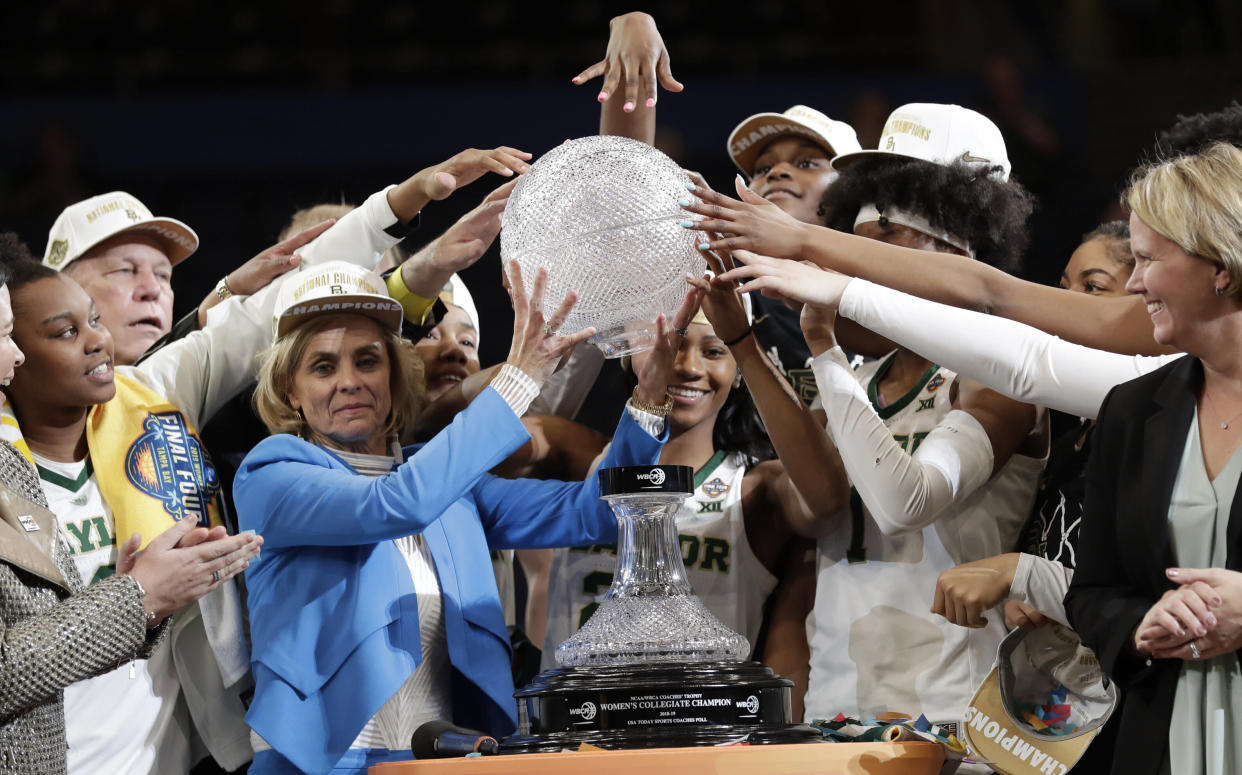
601, 215
650, 614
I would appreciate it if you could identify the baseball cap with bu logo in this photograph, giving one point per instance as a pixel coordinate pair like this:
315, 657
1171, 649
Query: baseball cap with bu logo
941, 134
334, 288
83, 225
749, 137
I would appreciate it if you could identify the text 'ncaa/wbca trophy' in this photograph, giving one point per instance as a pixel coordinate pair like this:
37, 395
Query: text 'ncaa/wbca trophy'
652, 667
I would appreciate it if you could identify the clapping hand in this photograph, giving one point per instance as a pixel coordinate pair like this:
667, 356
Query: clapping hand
184, 563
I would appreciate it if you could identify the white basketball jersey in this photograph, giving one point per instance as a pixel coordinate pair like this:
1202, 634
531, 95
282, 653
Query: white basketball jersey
875, 646
725, 574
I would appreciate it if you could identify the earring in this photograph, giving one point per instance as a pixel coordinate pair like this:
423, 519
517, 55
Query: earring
737, 381
1219, 291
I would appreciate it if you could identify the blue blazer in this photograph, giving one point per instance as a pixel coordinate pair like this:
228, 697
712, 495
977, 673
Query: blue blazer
333, 614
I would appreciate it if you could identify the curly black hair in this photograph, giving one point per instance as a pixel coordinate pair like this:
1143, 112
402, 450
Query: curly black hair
1192, 134
1117, 236
960, 199
18, 266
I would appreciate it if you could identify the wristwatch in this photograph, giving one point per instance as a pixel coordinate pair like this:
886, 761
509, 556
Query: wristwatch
222, 288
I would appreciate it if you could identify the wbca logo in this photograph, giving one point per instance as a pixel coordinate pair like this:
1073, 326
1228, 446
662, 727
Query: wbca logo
656, 476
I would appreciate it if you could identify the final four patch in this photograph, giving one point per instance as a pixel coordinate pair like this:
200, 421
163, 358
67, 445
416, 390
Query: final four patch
169, 464
935, 383
715, 488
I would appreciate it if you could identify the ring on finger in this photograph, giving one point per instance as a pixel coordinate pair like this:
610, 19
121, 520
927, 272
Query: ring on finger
1194, 651
215, 576
547, 330
680, 331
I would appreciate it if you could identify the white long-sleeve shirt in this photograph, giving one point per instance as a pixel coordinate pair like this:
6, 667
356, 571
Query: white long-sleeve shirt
1011, 358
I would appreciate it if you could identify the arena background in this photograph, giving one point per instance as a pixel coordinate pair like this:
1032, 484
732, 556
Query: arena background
231, 115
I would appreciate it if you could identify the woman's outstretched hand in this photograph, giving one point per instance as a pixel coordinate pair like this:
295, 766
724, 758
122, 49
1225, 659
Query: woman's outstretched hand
720, 300
537, 349
654, 377
184, 563
636, 53
785, 279
749, 223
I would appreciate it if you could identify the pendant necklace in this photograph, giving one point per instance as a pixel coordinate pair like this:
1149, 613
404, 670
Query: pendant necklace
1224, 424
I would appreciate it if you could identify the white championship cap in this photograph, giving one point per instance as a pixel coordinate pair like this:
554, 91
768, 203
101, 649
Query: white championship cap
750, 136
942, 134
1042, 705
457, 294
83, 225
334, 288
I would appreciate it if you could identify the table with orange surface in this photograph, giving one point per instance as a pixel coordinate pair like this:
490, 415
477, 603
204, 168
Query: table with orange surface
804, 759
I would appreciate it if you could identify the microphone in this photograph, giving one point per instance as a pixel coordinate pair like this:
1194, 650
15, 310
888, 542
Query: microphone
441, 739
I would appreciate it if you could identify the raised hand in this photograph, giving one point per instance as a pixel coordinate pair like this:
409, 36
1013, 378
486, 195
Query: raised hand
255, 274
636, 53
656, 371
466, 241
184, 563
784, 279
749, 223
468, 166
537, 349
719, 298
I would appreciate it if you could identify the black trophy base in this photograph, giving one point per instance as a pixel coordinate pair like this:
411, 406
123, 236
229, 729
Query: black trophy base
655, 706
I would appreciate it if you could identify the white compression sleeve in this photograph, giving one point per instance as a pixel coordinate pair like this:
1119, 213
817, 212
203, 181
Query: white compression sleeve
903, 492
1042, 584
1011, 358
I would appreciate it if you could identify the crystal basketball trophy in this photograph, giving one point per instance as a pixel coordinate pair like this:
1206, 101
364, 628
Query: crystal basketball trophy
601, 215
652, 667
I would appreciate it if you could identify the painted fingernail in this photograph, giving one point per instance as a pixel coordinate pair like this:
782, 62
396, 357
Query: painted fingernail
602, 96
628, 107
651, 102
702, 246
1172, 573
683, 202
576, 79
691, 187
687, 224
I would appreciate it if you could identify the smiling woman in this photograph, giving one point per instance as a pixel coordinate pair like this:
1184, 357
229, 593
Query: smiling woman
61, 639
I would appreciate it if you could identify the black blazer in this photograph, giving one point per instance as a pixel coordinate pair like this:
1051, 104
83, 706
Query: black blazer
1123, 547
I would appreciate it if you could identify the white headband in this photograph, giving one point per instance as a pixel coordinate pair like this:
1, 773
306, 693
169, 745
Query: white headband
869, 214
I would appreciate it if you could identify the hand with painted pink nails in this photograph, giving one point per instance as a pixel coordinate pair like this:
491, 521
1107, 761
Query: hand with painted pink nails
636, 55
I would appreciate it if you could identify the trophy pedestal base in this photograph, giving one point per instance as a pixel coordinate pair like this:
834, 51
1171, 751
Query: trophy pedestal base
655, 706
